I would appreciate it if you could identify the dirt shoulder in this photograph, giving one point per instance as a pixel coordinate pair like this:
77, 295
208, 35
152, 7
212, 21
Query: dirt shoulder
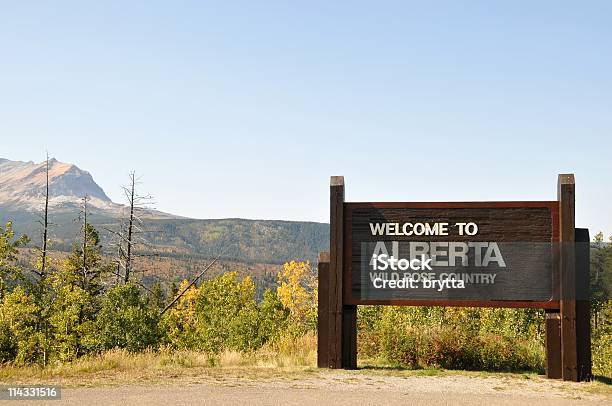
292, 386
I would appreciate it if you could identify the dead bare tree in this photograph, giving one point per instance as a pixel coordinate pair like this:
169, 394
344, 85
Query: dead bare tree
43, 266
130, 195
83, 216
120, 253
131, 229
41, 270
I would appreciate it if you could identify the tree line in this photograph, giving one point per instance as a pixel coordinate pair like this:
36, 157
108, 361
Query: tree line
80, 307
88, 302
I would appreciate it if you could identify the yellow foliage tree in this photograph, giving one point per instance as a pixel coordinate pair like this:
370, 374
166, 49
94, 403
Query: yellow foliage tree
180, 321
297, 291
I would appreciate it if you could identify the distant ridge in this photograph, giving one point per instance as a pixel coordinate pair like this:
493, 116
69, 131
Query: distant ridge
22, 188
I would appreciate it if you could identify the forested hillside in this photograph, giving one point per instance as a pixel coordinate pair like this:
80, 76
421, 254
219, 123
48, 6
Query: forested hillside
24, 185
248, 241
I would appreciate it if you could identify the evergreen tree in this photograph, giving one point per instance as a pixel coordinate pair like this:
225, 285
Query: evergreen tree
78, 286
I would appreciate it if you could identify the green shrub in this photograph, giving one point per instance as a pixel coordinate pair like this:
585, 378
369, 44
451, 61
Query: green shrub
602, 355
450, 348
20, 341
449, 338
8, 342
273, 317
126, 320
226, 314
601, 340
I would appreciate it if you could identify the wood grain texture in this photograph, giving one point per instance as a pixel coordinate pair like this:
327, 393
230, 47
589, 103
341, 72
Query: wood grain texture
583, 314
349, 337
511, 304
323, 311
336, 270
533, 222
553, 344
566, 197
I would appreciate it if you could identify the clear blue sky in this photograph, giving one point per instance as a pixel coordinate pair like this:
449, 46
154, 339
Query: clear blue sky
244, 109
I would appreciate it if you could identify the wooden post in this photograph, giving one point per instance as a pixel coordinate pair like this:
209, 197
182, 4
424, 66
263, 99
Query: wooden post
342, 336
336, 223
553, 344
349, 337
583, 314
323, 311
566, 197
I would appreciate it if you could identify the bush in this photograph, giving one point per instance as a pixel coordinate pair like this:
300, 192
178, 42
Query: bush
297, 291
126, 320
273, 317
450, 348
73, 333
602, 355
601, 344
8, 342
19, 339
445, 338
179, 322
226, 314
222, 314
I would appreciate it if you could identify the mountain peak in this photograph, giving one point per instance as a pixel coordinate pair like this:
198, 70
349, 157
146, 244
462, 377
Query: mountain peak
24, 183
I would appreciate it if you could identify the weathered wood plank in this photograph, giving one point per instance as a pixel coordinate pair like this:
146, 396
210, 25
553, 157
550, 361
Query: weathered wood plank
511, 304
335, 270
583, 314
516, 226
566, 197
553, 344
349, 337
323, 311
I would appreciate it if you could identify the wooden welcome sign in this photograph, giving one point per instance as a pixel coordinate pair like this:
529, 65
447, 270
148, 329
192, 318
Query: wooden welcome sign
478, 254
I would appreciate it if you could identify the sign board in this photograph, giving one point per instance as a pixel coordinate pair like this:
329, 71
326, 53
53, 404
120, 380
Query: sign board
435, 253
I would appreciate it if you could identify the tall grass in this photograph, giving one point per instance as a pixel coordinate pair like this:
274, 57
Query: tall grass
450, 348
288, 352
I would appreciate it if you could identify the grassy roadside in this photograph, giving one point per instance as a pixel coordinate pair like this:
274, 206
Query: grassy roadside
290, 366
166, 365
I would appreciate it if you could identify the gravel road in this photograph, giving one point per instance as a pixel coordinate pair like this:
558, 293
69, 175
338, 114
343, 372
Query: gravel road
340, 388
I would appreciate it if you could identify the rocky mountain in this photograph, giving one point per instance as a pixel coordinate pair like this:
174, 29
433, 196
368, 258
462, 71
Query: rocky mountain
22, 185
22, 189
